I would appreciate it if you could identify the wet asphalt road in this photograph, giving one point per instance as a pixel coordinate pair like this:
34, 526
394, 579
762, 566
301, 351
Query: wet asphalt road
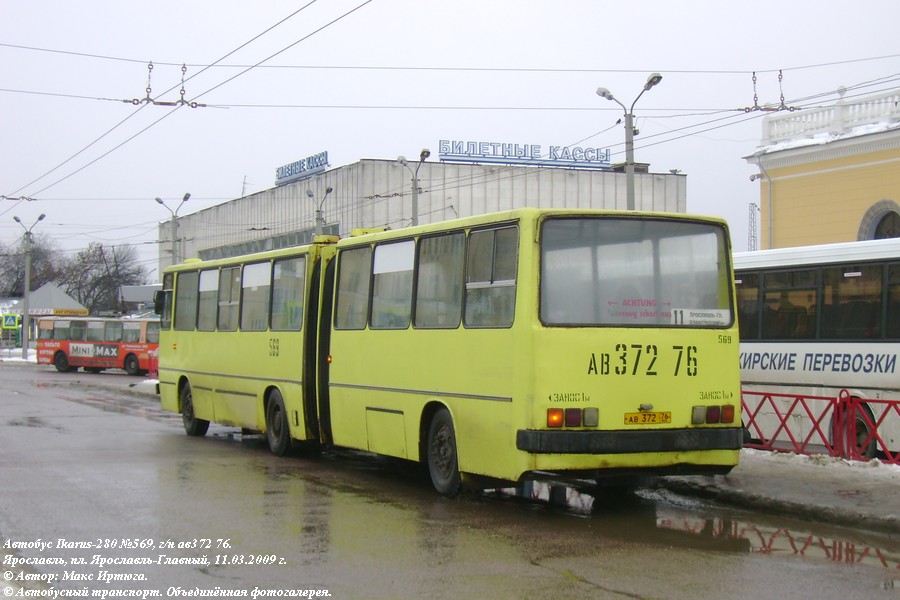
90, 474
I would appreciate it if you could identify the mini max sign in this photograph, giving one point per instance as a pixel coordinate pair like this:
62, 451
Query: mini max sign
524, 154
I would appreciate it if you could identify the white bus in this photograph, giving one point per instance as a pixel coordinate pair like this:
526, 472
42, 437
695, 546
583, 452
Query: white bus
816, 320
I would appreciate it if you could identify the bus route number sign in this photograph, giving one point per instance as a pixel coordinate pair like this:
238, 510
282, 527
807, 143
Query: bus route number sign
648, 418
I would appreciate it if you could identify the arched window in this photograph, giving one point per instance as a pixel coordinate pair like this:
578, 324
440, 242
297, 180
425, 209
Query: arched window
881, 221
888, 226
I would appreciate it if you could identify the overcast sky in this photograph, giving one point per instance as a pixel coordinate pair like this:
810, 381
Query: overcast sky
382, 78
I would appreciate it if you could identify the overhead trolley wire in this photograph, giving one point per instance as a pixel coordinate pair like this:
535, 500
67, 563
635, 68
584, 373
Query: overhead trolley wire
471, 69
179, 106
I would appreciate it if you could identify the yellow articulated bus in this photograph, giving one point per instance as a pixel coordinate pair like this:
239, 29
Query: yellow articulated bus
523, 345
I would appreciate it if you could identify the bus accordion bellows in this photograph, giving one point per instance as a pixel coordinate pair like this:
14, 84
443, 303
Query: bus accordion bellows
97, 343
531, 344
816, 320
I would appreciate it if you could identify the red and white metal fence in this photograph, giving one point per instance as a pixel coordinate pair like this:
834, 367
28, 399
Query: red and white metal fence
843, 426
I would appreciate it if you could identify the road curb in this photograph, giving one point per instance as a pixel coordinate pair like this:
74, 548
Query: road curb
720, 491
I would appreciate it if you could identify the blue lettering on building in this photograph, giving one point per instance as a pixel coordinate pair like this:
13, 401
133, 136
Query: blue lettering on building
302, 168
523, 154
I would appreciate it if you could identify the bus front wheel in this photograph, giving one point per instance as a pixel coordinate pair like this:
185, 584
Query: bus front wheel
192, 425
278, 431
61, 362
442, 456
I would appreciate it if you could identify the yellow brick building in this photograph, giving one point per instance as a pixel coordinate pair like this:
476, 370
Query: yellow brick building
830, 174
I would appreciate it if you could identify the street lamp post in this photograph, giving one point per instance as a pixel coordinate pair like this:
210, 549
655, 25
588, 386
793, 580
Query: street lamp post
174, 225
629, 134
26, 318
320, 220
769, 207
425, 153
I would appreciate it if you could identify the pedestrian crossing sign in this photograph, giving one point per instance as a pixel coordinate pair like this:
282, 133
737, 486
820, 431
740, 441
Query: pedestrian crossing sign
10, 321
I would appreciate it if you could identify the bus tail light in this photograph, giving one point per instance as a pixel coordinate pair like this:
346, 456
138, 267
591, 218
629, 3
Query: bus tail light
573, 417
698, 415
705, 415
728, 413
554, 417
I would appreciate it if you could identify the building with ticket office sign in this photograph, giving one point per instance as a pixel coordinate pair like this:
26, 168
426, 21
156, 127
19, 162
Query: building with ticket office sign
467, 178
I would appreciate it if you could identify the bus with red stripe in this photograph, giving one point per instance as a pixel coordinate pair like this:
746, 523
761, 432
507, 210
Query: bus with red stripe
97, 343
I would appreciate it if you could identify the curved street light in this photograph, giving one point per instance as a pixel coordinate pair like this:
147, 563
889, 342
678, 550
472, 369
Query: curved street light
174, 224
425, 153
320, 220
629, 134
26, 318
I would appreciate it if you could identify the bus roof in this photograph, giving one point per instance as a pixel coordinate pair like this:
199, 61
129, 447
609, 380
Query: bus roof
528, 213
842, 252
378, 233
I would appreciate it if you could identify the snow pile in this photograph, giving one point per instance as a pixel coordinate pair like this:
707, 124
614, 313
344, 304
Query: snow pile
869, 468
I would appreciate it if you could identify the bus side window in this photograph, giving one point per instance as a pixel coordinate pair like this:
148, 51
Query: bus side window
113, 332
747, 285
491, 277
95, 331
392, 285
186, 301
45, 330
288, 285
791, 300
229, 298
208, 303
152, 336
76, 331
853, 302
354, 272
132, 332
893, 298
256, 285
439, 280
61, 330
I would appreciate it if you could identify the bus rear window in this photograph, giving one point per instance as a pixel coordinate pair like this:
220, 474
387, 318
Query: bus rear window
621, 271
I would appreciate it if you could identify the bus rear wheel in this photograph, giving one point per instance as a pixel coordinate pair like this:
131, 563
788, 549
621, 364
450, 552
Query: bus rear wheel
132, 366
278, 430
443, 463
192, 425
861, 447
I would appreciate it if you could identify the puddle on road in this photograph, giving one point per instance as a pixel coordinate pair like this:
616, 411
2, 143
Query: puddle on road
660, 516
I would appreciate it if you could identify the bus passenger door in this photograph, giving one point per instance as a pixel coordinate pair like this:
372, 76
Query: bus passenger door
309, 354
322, 363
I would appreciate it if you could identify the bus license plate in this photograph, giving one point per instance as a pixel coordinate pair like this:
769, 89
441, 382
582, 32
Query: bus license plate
647, 418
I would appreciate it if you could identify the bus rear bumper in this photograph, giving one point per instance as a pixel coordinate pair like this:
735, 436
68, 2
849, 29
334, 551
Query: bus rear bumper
628, 442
